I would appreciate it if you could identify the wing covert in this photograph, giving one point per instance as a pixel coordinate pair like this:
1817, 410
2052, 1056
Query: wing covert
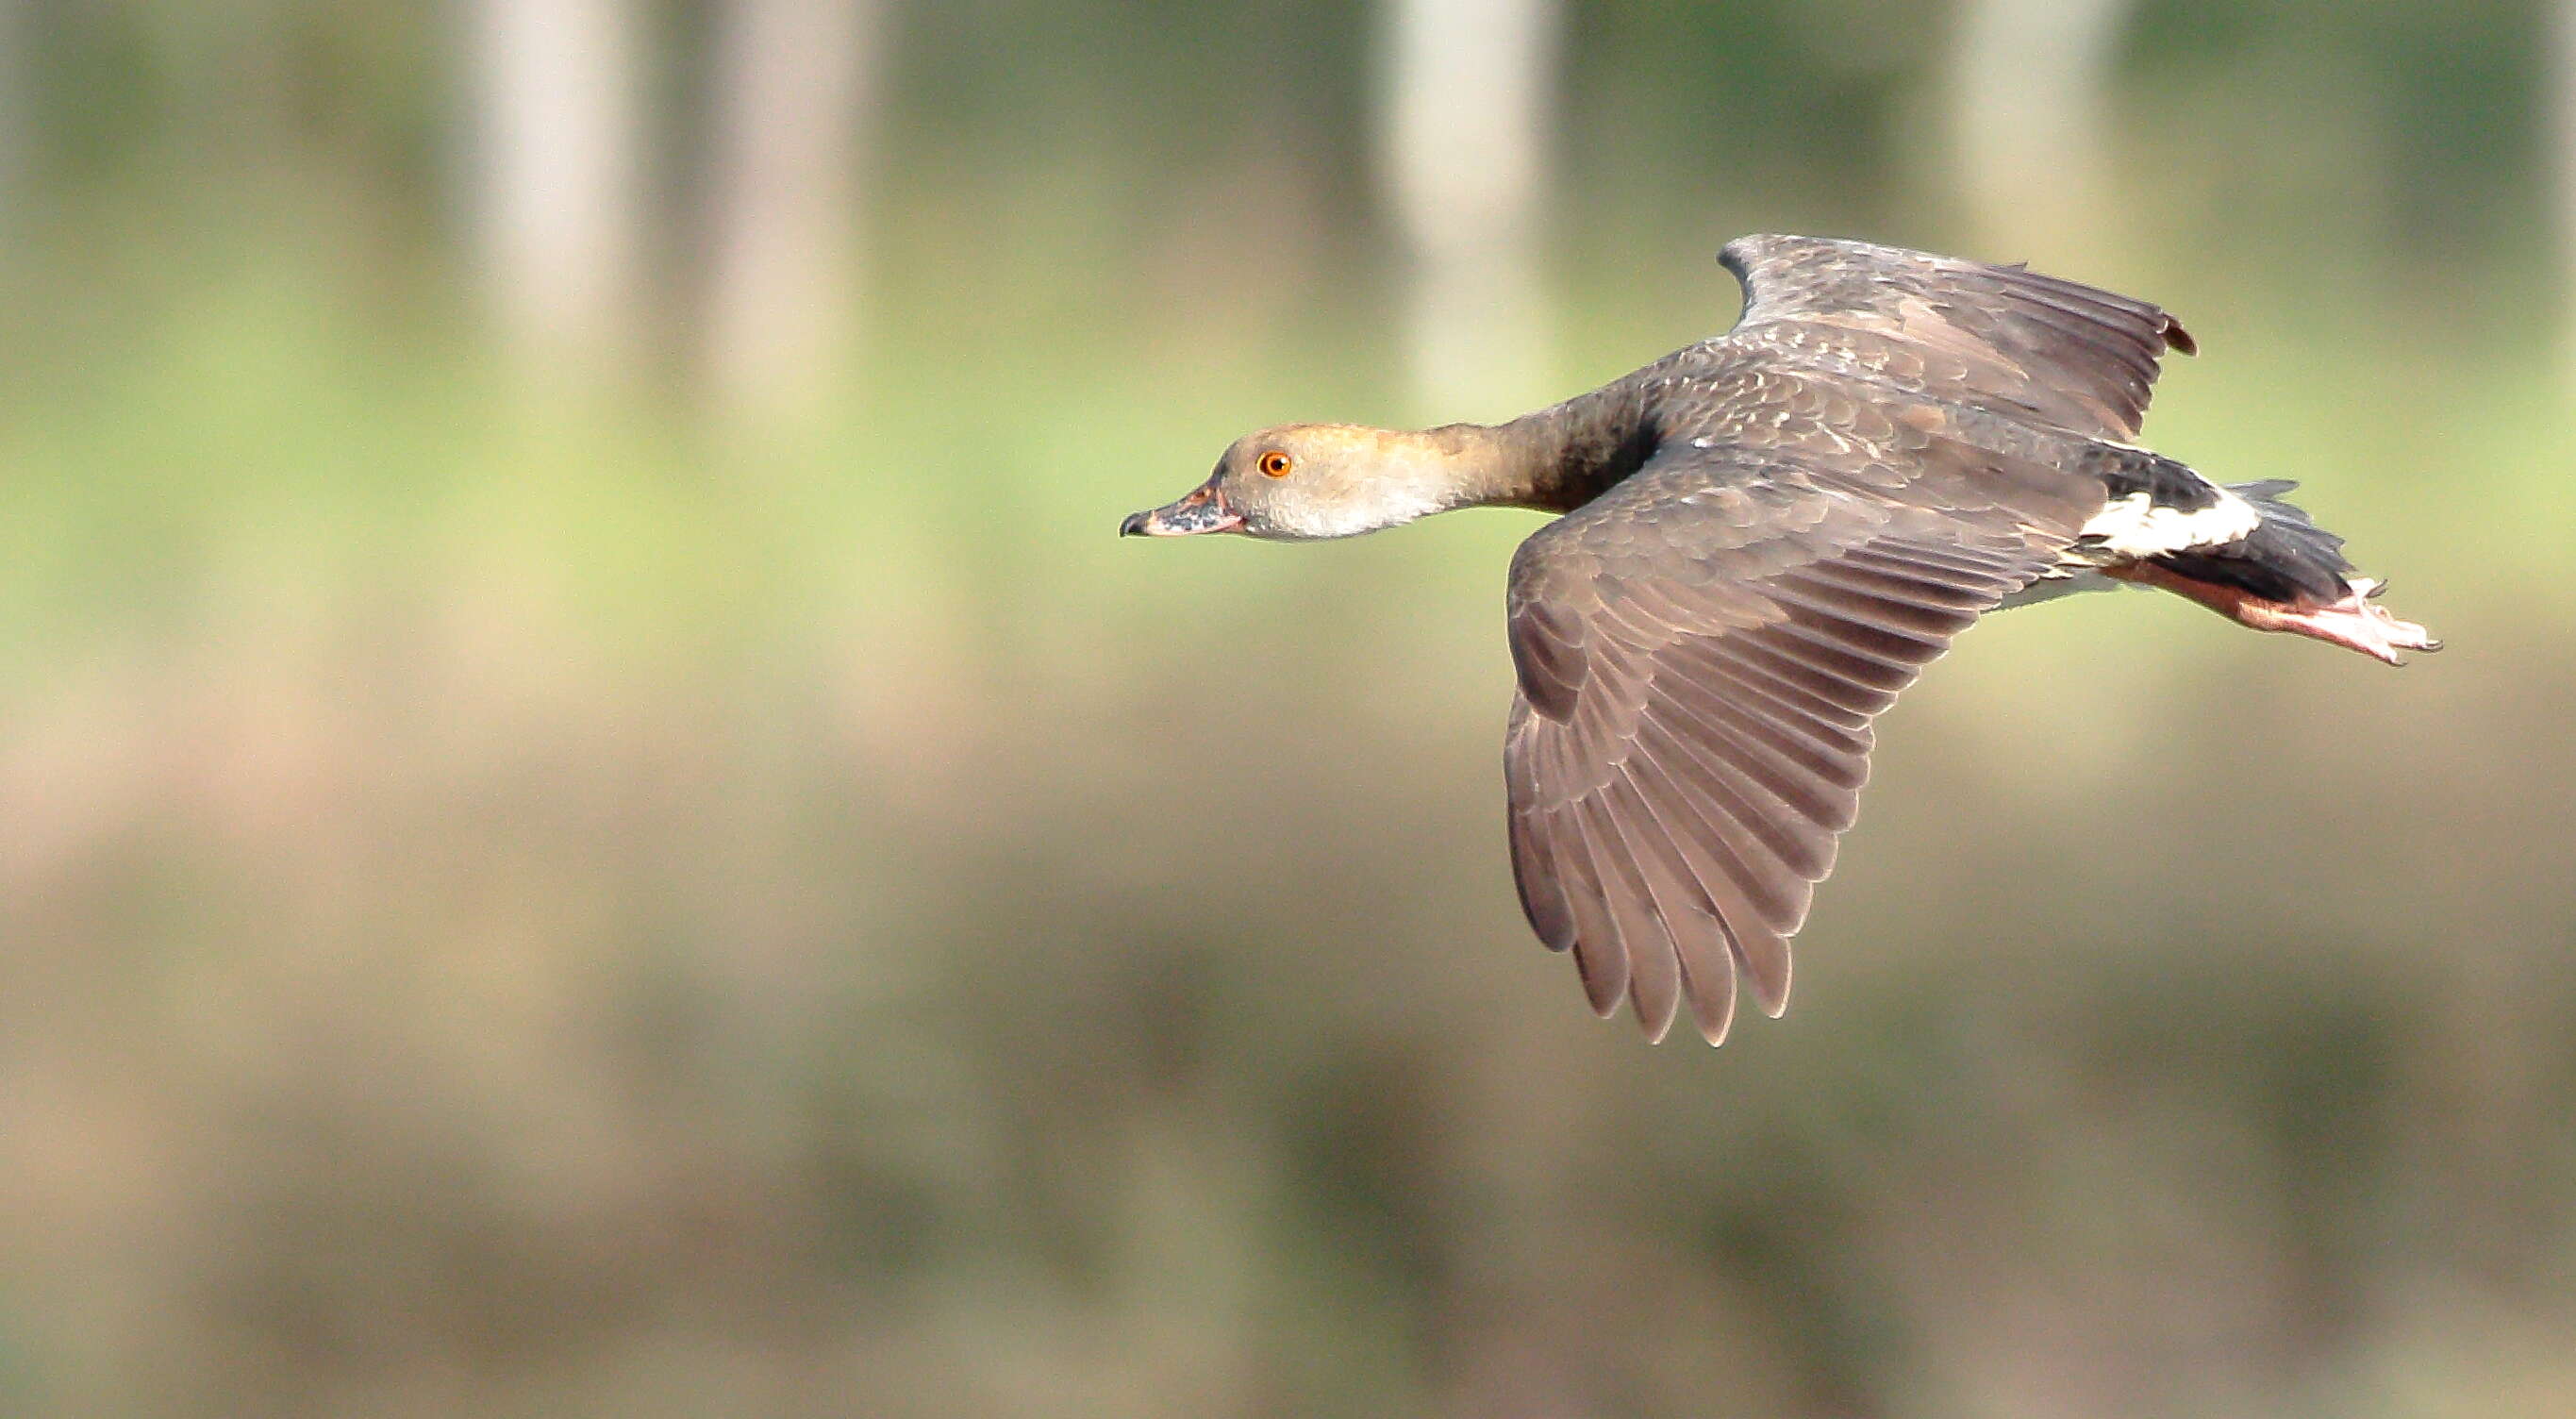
2071, 355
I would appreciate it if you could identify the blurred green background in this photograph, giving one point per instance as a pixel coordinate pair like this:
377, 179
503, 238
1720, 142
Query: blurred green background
593, 822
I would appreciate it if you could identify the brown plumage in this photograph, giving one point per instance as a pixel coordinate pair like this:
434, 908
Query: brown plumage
1768, 535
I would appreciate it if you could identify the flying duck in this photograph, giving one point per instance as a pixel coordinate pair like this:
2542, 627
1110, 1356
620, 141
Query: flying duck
1765, 537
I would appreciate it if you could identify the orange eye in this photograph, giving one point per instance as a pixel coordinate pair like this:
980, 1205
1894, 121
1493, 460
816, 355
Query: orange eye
1275, 464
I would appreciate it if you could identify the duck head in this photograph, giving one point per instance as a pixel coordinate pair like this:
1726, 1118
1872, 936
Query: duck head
1300, 482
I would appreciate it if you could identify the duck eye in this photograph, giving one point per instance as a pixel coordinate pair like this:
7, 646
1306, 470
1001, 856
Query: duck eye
1275, 464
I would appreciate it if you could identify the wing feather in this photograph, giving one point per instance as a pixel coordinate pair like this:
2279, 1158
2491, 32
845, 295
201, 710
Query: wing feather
1698, 676
2001, 337
1654, 968
1701, 942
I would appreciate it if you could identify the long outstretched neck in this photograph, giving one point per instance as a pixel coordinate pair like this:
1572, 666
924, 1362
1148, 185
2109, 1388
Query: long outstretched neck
1554, 460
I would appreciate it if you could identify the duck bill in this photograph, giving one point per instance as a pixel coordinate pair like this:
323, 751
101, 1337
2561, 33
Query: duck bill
1203, 510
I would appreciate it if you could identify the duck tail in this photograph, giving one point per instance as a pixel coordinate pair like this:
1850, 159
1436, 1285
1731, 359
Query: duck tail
2288, 574
2287, 557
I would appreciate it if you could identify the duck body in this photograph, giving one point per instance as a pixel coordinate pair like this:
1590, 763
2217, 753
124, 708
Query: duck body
1768, 534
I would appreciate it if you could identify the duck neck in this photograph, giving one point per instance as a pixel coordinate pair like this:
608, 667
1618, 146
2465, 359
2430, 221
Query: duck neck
1554, 460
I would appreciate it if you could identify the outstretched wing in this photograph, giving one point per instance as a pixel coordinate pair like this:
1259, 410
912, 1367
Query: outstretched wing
1997, 337
1700, 652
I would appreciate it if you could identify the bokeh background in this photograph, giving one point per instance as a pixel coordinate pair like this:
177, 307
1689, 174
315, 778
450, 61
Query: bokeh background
593, 821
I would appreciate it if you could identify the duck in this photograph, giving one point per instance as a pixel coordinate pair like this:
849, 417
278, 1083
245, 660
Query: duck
1760, 540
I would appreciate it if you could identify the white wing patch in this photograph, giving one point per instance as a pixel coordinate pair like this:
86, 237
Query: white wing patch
2134, 527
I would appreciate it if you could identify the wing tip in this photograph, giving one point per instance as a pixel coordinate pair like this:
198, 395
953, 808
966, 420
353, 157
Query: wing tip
1766, 967
1603, 989
1738, 255
1713, 1005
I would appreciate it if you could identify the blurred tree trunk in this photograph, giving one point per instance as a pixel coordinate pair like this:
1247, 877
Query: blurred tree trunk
1468, 101
2562, 163
793, 85
17, 112
2030, 122
557, 173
